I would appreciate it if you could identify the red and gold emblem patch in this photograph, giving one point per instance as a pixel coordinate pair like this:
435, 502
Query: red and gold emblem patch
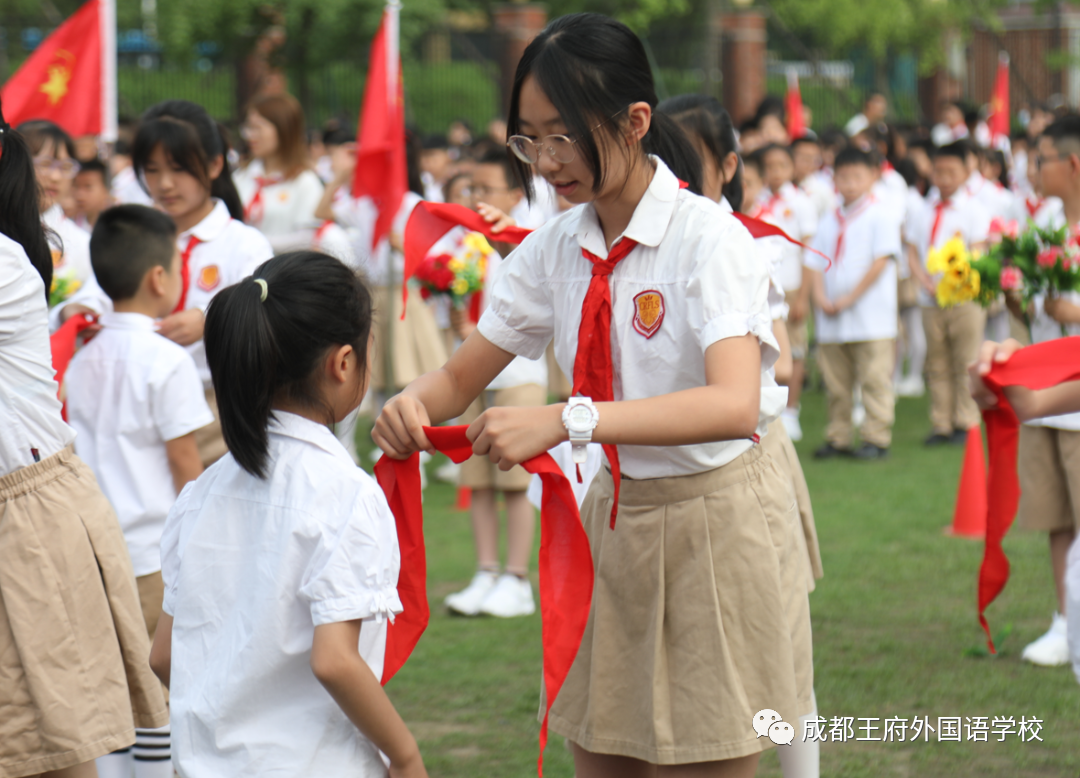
208, 278
648, 312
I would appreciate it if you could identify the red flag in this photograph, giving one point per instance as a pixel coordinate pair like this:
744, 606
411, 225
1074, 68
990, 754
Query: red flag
796, 127
70, 78
998, 120
380, 160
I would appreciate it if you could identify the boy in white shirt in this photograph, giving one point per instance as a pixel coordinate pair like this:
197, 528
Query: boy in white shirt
855, 298
792, 211
135, 400
953, 334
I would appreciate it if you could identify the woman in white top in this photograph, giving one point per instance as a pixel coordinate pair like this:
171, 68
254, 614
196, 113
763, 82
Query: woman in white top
70, 620
278, 187
55, 167
281, 561
699, 615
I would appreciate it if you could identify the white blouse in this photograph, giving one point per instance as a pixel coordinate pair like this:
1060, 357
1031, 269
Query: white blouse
29, 411
251, 567
288, 205
70, 248
694, 279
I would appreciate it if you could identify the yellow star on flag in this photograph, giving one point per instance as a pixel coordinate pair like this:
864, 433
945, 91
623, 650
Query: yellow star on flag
59, 75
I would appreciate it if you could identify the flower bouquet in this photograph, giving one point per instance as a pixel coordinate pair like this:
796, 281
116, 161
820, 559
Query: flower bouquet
63, 286
965, 276
456, 275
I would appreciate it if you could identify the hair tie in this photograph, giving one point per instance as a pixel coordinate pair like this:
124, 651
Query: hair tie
262, 284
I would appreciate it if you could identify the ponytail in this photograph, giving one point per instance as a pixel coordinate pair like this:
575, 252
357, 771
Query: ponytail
266, 337
592, 68
20, 215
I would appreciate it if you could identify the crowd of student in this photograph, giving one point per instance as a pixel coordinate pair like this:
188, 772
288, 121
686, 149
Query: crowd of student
210, 364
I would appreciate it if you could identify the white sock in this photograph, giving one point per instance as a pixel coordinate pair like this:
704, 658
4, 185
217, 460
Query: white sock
801, 759
153, 753
118, 764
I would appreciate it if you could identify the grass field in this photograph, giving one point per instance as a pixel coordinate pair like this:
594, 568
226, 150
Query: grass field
895, 634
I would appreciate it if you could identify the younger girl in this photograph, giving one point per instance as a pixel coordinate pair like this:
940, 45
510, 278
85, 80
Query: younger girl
181, 155
71, 630
281, 561
278, 187
699, 614
711, 131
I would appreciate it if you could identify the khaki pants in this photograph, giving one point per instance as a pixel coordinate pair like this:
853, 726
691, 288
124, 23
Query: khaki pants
209, 439
953, 336
481, 472
868, 364
1048, 466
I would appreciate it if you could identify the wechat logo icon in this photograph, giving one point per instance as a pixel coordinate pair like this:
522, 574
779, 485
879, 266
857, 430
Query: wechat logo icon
770, 723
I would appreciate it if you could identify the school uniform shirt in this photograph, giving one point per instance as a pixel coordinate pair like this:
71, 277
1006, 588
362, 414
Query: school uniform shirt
891, 192
332, 239
961, 215
288, 205
770, 252
821, 191
794, 213
544, 206
70, 247
251, 566
855, 236
697, 273
130, 391
126, 189
384, 266
912, 228
29, 409
998, 201
1044, 212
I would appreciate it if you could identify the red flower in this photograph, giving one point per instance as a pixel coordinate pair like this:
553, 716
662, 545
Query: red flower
1011, 278
1049, 257
434, 273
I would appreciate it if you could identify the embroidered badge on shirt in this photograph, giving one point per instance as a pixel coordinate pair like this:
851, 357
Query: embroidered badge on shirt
283, 197
648, 312
57, 258
208, 278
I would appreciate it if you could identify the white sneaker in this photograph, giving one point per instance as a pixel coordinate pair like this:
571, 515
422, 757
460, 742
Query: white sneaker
911, 386
512, 596
467, 602
1052, 649
448, 472
790, 419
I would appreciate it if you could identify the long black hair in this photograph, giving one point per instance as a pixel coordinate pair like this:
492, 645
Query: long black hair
705, 118
592, 68
20, 214
260, 351
192, 140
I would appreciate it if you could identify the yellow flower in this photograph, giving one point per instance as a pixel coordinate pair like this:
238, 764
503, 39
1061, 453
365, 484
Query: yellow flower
939, 260
474, 241
455, 265
459, 287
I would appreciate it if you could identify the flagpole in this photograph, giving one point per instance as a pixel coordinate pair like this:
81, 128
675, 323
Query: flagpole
107, 17
392, 60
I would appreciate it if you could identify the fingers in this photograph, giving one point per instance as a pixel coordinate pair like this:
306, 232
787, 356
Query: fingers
399, 430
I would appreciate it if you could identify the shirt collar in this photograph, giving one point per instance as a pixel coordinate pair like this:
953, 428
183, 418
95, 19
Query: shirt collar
114, 320
855, 207
291, 425
958, 197
725, 204
210, 227
650, 220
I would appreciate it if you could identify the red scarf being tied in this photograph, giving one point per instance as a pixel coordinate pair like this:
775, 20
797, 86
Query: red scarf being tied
566, 568
1036, 367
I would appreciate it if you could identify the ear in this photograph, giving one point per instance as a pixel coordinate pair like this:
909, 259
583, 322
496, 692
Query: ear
639, 117
155, 280
217, 164
340, 363
730, 166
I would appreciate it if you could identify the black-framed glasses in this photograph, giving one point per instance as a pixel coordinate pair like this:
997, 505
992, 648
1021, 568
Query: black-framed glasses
559, 147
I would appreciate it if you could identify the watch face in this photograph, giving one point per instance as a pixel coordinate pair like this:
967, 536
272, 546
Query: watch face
581, 418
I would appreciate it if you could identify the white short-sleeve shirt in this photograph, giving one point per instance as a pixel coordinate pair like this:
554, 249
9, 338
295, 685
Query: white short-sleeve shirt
251, 567
29, 411
793, 211
288, 205
70, 247
963, 216
869, 233
694, 279
129, 390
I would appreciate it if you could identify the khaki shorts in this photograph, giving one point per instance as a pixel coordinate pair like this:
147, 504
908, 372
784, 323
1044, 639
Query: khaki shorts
1048, 466
209, 439
798, 334
481, 472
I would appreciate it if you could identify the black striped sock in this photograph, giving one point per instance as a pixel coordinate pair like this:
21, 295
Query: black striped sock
153, 753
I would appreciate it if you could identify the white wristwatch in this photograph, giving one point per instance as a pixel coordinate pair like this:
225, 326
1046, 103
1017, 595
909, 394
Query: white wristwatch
580, 418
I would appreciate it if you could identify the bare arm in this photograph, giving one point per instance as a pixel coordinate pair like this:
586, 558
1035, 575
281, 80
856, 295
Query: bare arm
816, 280
324, 211
785, 364
337, 664
868, 280
161, 651
185, 464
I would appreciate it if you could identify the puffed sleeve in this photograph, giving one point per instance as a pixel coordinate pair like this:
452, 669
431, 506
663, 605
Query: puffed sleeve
353, 572
519, 317
728, 290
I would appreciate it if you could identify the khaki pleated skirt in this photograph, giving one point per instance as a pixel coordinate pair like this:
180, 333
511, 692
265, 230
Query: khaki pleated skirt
699, 619
75, 678
416, 344
777, 444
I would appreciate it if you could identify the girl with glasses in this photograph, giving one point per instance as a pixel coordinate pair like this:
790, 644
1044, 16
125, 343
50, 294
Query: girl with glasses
657, 304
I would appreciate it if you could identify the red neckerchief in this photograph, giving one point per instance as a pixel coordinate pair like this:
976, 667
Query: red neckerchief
565, 566
317, 238
768, 206
939, 209
1036, 367
62, 347
254, 210
887, 167
844, 221
185, 272
593, 370
1033, 206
